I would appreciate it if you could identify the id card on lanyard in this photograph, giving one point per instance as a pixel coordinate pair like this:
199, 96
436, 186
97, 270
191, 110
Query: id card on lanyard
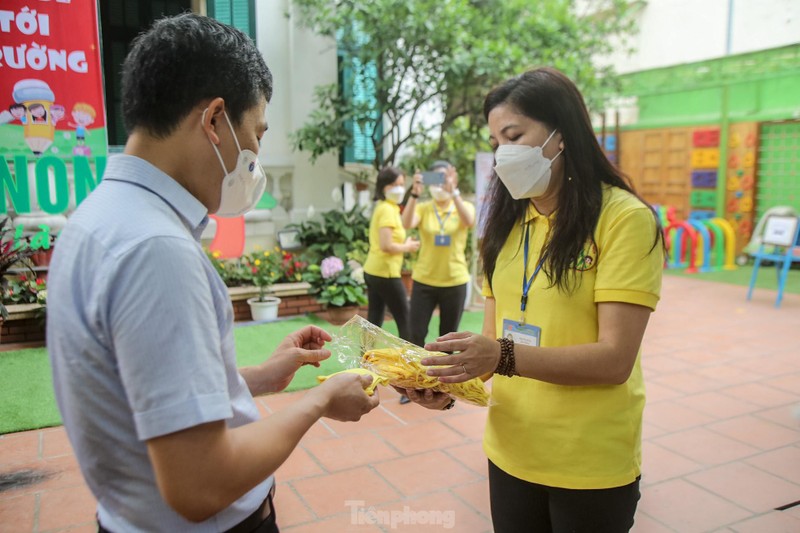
519, 331
441, 239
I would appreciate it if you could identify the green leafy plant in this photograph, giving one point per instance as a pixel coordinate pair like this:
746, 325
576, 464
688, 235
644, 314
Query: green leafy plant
339, 284
234, 272
336, 234
399, 57
12, 255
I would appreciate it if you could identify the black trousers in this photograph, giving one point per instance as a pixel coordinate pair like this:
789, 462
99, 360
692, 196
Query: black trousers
519, 505
425, 298
391, 292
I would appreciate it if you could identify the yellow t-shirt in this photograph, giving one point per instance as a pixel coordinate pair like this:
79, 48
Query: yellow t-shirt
577, 437
380, 263
441, 266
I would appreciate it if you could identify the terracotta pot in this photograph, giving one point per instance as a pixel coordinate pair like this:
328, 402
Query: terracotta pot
339, 315
42, 257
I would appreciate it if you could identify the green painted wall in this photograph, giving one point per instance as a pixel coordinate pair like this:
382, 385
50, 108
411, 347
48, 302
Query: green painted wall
760, 86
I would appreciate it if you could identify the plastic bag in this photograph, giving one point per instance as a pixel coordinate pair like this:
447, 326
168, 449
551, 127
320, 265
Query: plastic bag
361, 344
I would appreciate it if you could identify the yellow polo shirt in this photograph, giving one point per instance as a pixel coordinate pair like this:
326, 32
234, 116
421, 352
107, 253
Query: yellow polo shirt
380, 263
577, 437
442, 266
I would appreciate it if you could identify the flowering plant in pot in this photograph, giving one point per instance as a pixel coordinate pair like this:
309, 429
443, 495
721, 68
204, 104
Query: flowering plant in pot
291, 267
26, 289
264, 269
14, 256
340, 287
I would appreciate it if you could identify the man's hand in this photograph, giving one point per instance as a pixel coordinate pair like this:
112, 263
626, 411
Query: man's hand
345, 398
303, 347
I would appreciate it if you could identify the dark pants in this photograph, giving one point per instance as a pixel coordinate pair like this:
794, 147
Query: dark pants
391, 292
425, 298
519, 505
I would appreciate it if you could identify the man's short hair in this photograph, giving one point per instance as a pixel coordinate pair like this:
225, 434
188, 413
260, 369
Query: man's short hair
181, 61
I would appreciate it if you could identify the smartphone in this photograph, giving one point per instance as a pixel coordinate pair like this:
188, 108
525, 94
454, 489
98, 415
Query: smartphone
434, 177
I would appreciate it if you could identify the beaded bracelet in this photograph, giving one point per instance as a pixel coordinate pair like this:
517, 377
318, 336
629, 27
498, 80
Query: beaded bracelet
507, 366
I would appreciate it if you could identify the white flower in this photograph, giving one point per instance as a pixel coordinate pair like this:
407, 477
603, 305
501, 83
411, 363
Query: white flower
358, 275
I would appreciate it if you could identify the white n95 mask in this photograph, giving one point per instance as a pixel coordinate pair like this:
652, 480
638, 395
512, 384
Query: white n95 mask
395, 194
439, 194
523, 169
243, 187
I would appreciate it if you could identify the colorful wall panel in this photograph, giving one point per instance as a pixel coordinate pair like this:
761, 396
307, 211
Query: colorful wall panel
741, 180
704, 160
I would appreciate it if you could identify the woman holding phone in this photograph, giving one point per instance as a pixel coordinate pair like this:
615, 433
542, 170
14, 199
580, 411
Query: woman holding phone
441, 273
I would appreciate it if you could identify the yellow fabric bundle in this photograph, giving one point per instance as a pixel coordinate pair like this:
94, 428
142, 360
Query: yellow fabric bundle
408, 373
370, 390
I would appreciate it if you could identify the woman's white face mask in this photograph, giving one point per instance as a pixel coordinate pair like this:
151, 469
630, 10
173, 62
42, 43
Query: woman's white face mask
439, 194
523, 169
395, 194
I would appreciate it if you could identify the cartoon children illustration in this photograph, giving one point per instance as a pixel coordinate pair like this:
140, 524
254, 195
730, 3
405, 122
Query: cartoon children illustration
57, 113
83, 114
18, 112
38, 114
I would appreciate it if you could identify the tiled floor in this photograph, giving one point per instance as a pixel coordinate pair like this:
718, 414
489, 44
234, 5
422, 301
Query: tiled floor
721, 442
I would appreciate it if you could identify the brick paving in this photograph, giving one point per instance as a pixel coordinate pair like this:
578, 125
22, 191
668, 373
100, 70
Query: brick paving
721, 440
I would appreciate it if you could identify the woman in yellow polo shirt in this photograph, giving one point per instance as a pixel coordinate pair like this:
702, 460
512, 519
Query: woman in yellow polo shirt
441, 273
573, 262
387, 244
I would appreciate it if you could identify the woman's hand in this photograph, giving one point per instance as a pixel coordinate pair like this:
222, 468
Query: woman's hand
417, 186
426, 397
477, 356
412, 245
450, 179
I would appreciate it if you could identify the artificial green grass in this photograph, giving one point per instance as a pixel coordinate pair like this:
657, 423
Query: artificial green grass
26, 388
767, 277
26, 391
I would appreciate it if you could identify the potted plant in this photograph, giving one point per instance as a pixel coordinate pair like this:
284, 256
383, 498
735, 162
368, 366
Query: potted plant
265, 268
341, 288
11, 255
25, 289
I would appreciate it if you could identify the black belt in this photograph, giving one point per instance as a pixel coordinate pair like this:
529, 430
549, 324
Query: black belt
265, 511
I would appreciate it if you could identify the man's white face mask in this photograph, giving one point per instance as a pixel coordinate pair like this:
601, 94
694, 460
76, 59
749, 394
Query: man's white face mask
243, 187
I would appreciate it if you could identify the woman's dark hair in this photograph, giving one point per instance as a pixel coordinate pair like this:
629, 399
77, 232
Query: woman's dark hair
386, 176
548, 96
181, 61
